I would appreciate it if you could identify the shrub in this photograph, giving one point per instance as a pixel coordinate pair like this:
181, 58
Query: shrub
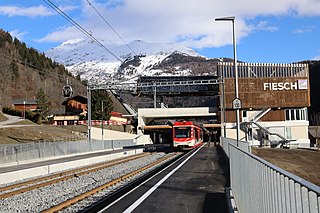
30, 115
12, 111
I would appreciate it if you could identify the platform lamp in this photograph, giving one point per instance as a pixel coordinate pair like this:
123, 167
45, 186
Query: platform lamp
232, 19
24, 110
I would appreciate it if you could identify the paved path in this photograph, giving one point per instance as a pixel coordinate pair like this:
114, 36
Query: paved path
195, 187
11, 120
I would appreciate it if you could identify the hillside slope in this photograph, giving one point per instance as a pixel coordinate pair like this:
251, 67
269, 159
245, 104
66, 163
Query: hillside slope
24, 71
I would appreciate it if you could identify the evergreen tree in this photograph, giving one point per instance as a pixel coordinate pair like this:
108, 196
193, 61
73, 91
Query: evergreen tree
43, 103
14, 70
97, 97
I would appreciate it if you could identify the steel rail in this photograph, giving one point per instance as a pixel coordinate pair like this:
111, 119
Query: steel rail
63, 176
91, 192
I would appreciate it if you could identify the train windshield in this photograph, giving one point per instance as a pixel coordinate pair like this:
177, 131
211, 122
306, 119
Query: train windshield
182, 132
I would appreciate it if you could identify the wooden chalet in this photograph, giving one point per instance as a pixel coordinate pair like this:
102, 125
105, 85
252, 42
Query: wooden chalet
23, 105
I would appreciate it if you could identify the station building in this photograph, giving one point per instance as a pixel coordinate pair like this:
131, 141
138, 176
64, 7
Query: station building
274, 100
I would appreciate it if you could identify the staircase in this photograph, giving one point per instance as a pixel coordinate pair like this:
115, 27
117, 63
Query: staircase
262, 134
265, 134
255, 117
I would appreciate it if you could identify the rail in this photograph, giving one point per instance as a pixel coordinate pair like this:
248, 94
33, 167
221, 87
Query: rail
259, 186
134, 86
226, 142
263, 70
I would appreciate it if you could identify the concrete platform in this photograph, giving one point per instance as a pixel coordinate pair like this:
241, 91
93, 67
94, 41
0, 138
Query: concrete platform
195, 186
37, 167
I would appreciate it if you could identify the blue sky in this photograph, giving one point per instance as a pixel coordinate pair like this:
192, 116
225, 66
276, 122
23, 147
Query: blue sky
268, 31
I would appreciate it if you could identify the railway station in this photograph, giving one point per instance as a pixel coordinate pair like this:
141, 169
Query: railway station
272, 110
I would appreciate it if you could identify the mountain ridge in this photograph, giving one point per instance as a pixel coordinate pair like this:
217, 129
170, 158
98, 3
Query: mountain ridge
85, 59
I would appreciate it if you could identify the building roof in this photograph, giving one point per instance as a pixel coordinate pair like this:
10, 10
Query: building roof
23, 101
78, 98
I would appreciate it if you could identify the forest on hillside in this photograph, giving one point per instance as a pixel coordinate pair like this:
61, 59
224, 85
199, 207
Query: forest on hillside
25, 71
314, 77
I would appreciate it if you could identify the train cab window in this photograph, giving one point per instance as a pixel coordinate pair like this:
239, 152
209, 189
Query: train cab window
182, 132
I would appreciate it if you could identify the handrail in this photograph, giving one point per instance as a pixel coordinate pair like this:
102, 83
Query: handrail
256, 116
268, 188
283, 139
310, 186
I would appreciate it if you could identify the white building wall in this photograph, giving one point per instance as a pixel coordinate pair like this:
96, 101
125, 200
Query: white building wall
297, 131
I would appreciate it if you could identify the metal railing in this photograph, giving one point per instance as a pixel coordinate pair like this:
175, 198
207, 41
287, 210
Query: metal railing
259, 186
274, 143
15, 153
263, 70
225, 143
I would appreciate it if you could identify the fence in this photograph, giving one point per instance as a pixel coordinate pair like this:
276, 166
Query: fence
10, 153
263, 70
243, 145
259, 186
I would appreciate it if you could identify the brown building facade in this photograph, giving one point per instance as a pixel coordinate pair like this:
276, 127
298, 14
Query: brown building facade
274, 97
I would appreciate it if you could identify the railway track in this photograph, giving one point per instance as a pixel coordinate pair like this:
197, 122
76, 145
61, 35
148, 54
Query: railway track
29, 185
96, 190
104, 178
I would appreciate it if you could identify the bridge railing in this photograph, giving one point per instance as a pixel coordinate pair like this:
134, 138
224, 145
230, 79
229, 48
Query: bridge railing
15, 153
259, 186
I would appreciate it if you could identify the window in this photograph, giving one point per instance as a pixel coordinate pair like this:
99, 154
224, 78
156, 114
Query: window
288, 132
292, 115
70, 122
287, 115
182, 132
296, 114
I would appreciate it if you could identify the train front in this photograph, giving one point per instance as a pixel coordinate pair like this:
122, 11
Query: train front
186, 135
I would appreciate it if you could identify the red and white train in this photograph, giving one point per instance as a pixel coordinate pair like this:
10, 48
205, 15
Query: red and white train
186, 135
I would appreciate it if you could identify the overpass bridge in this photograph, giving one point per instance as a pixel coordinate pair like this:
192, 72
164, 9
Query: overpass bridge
157, 122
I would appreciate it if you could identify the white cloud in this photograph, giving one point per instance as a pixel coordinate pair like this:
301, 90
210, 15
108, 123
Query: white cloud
17, 34
188, 21
61, 35
25, 11
304, 29
264, 25
32, 12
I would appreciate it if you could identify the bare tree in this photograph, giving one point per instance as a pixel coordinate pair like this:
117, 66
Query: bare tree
315, 120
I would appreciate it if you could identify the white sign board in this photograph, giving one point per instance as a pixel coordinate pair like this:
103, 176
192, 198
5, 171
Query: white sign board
236, 103
298, 85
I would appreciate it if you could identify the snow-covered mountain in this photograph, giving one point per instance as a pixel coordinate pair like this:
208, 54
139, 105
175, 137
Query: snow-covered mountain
91, 62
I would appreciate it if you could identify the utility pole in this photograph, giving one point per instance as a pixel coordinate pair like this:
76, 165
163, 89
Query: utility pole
89, 114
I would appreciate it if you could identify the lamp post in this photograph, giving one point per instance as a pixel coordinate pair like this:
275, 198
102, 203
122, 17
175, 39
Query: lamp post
24, 110
232, 19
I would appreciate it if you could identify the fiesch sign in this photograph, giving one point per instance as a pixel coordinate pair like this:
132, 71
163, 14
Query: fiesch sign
301, 84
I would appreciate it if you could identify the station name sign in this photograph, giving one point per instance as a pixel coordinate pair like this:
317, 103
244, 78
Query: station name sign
297, 85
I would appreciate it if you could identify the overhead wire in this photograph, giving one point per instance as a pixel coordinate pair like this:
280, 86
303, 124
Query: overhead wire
39, 69
112, 28
80, 28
